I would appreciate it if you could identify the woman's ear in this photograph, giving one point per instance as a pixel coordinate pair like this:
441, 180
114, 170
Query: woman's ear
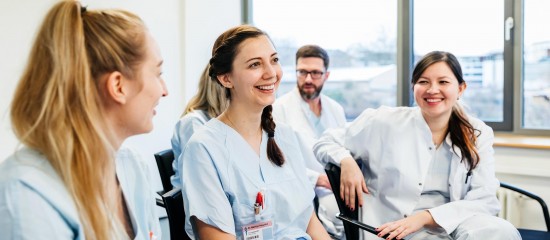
461, 88
116, 88
225, 80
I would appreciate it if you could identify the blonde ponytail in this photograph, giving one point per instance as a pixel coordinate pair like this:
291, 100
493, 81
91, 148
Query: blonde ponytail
57, 108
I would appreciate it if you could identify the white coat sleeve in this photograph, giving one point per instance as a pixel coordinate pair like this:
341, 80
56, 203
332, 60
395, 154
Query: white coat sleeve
480, 198
330, 147
338, 143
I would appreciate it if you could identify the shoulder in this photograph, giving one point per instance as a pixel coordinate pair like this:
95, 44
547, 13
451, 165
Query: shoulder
31, 192
27, 165
331, 102
128, 158
482, 127
212, 136
285, 99
385, 113
196, 116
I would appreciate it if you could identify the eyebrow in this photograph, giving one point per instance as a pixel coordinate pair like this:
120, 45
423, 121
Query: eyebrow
258, 58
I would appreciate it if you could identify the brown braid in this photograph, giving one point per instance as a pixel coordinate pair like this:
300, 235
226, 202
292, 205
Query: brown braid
273, 152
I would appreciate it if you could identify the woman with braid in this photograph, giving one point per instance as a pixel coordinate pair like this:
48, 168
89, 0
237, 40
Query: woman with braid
238, 169
428, 172
92, 80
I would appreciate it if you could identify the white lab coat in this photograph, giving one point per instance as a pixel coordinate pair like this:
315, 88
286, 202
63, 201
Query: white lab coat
395, 146
293, 110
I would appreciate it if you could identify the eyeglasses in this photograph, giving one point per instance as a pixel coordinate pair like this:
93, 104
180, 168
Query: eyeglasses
314, 74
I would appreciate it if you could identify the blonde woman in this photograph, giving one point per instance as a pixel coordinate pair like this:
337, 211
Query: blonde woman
209, 102
93, 79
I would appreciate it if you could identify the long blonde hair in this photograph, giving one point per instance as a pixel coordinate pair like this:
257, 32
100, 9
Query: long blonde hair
57, 106
210, 97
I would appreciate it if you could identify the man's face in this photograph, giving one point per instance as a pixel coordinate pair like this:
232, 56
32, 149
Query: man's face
311, 75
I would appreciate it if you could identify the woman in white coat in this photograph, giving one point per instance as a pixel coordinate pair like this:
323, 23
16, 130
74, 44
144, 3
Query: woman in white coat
428, 171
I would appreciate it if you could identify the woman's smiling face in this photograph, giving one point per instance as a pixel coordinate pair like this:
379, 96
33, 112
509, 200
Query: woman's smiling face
437, 91
256, 72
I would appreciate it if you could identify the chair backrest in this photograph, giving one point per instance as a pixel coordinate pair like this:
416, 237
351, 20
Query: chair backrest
173, 202
528, 234
164, 163
333, 174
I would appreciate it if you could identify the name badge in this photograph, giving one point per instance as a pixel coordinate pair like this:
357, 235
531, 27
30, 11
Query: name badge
258, 231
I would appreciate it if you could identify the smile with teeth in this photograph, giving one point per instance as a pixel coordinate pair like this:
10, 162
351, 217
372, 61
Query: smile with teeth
434, 100
266, 87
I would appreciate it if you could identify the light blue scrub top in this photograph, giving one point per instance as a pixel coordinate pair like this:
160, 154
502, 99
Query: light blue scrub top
183, 131
34, 203
222, 175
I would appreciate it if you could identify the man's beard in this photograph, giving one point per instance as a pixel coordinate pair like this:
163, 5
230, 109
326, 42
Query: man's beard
309, 96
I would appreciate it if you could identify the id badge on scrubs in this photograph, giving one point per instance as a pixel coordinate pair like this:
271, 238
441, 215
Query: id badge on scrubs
258, 231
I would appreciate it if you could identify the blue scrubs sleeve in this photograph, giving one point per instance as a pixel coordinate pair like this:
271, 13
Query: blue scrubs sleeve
26, 214
203, 191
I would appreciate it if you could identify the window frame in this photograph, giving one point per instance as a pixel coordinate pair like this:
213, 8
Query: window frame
512, 55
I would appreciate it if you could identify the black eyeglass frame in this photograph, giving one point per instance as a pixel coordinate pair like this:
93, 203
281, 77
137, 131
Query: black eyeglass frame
314, 74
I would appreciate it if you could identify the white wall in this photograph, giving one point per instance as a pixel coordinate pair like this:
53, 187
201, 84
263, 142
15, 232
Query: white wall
185, 31
528, 169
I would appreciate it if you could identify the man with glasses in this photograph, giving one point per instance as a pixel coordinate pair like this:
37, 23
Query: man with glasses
310, 113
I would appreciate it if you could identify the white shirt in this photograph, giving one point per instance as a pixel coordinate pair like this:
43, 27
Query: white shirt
395, 146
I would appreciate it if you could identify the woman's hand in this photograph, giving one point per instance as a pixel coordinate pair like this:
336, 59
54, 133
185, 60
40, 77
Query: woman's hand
352, 183
401, 228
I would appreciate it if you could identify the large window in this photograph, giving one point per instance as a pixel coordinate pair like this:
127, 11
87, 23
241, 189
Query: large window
476, 39
359, 35
503, 47
536, 65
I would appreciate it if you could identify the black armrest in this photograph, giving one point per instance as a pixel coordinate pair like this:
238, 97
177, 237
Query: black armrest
159, 201
532, 196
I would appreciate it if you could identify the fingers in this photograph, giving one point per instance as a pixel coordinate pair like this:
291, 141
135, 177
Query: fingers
365, 189
359, 193
351, 194
395, 230
343, 191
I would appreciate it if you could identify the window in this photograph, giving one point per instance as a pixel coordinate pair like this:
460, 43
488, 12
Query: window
503, 47
536, 66
359, 36
477, 40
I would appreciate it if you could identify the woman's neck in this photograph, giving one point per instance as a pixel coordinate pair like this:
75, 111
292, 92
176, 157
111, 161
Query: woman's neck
246, 123
438, 127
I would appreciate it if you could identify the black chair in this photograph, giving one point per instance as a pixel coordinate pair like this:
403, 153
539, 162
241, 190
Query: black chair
164, 163
529, 234
352, 225
348, 217
173, 202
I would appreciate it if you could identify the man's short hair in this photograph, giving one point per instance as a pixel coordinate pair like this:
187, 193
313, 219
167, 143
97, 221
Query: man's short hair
313, 51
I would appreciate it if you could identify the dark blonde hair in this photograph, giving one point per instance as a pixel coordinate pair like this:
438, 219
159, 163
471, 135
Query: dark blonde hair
462, 133
210, 97
57, 107
224, 52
